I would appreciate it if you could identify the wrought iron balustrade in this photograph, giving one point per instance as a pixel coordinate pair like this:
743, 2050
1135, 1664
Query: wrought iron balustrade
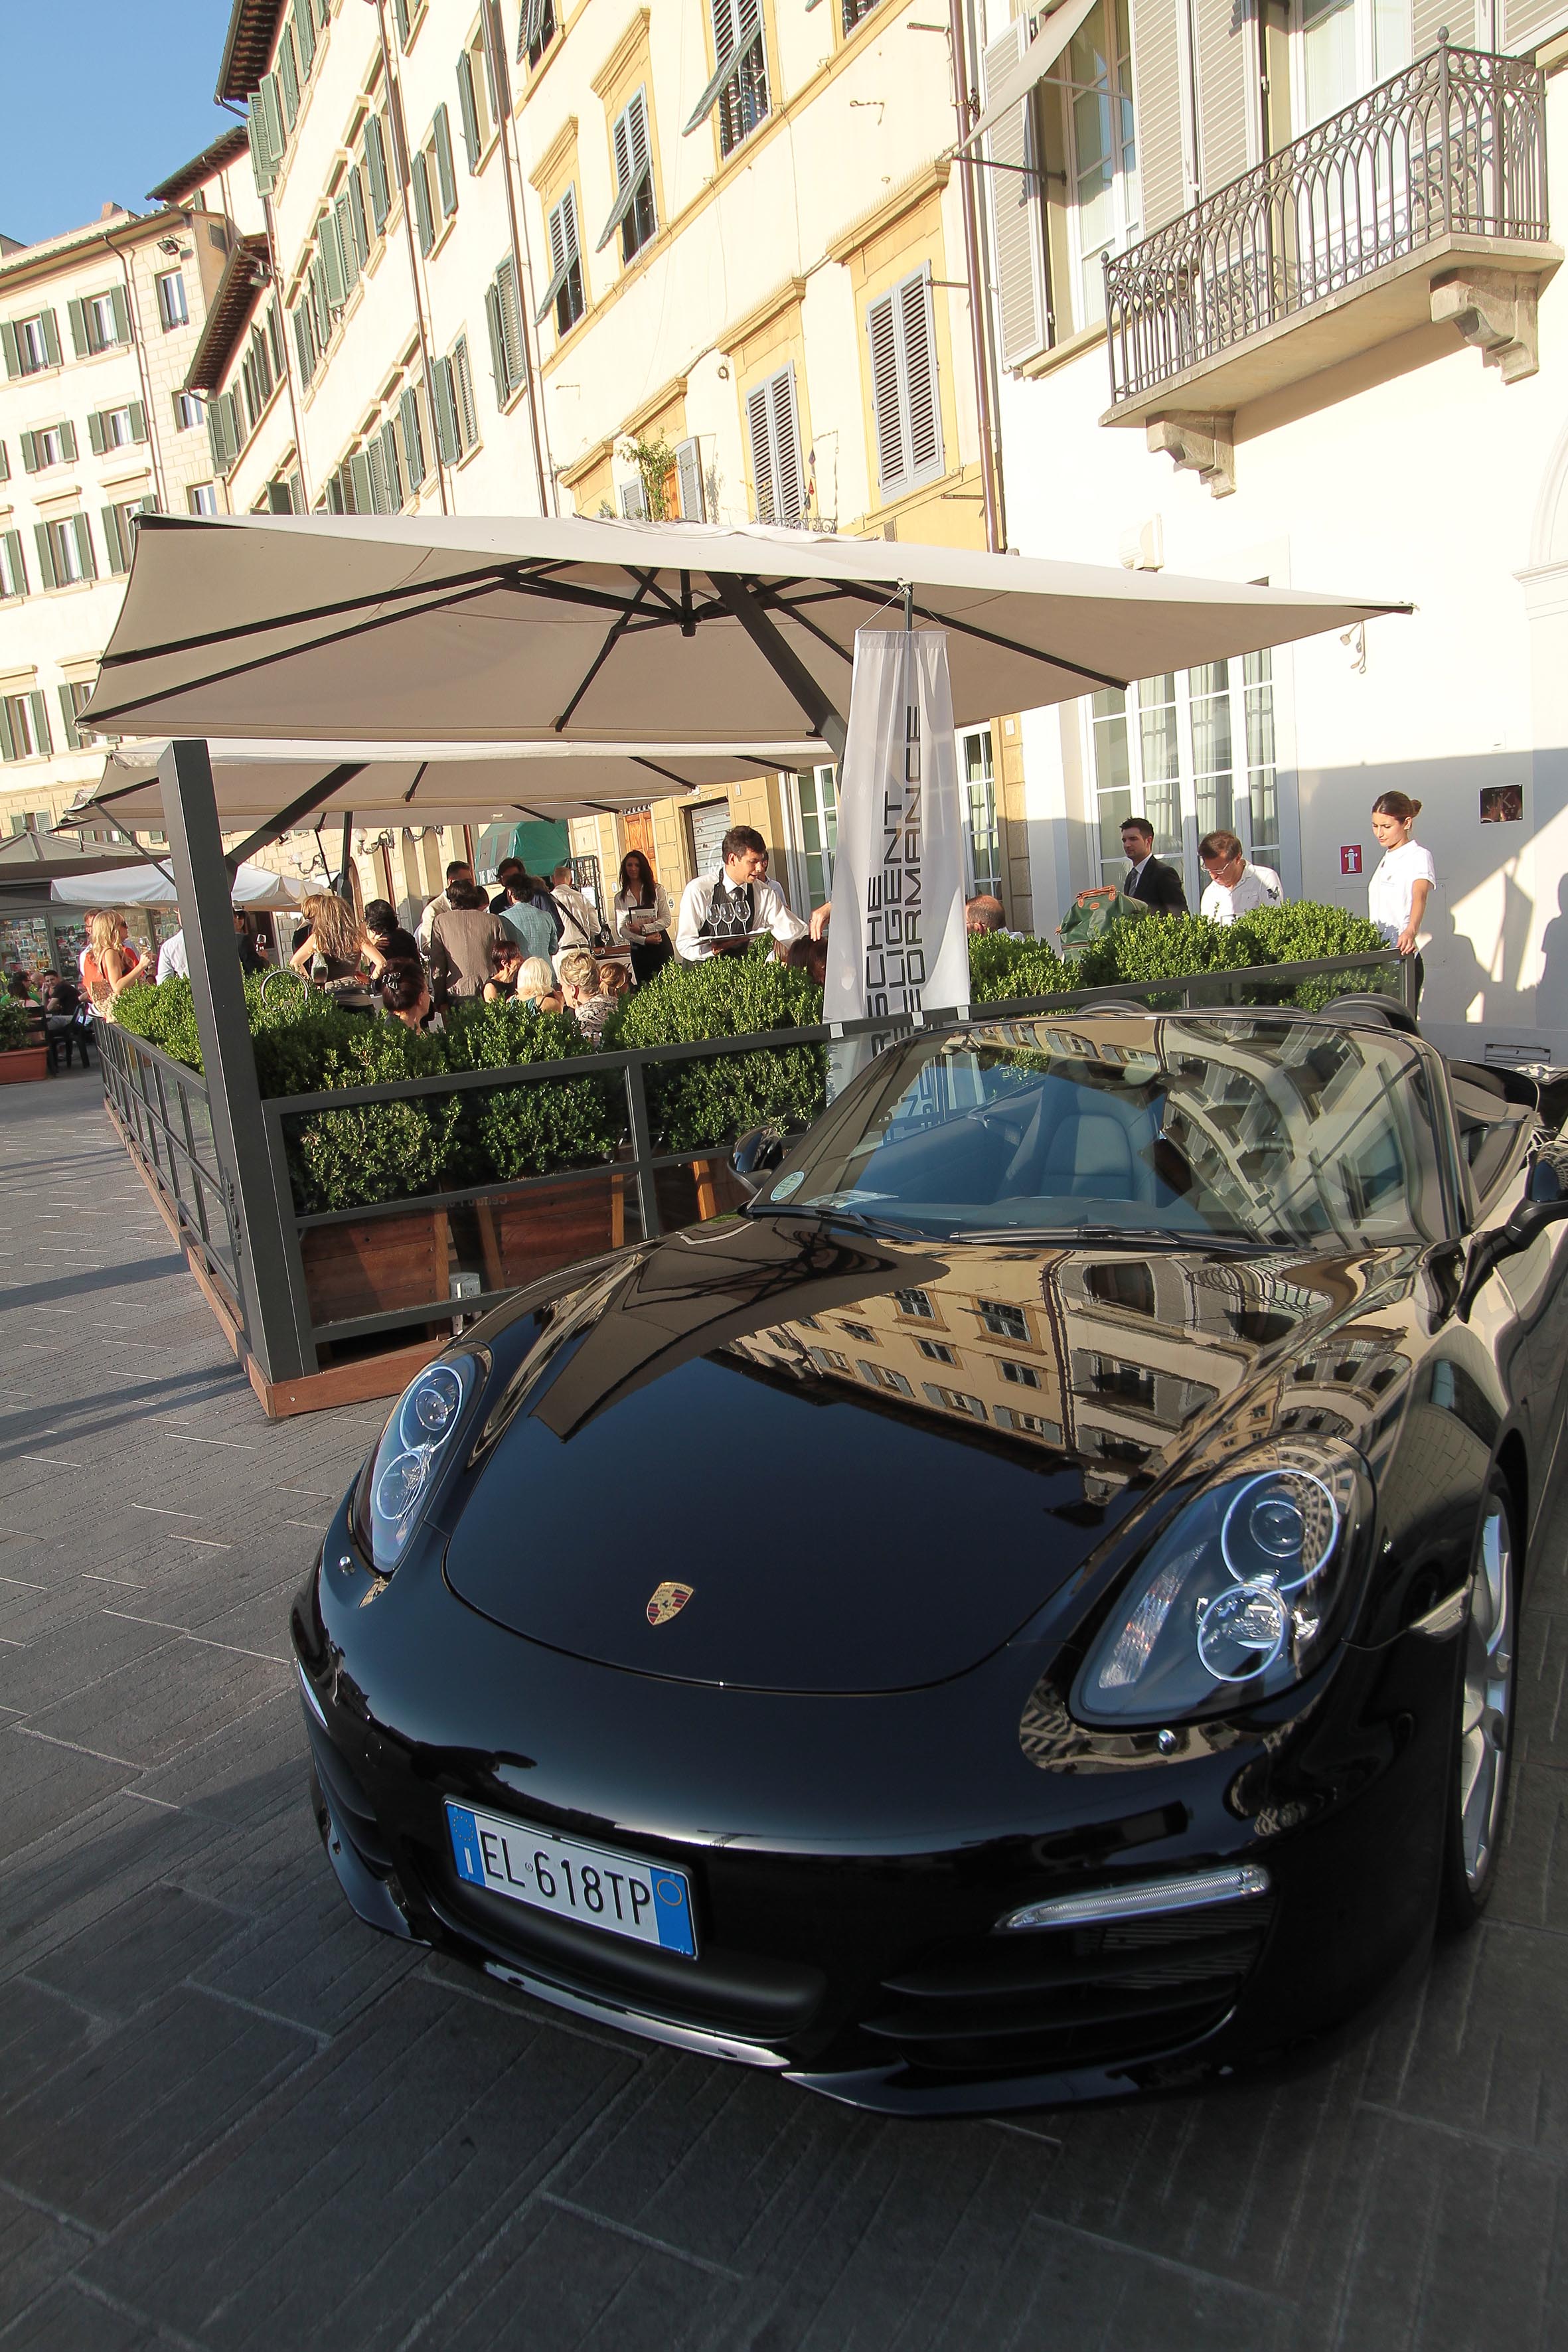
1455, 144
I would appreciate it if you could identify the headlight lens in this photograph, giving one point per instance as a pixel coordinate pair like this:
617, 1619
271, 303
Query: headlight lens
405, 1466
1239, 1597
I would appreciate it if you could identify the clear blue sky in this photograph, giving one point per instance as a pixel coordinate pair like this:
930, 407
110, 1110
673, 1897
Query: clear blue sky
101, 100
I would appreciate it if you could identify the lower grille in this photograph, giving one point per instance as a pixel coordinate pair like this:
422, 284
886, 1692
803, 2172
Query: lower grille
1055, 1998
351, 1809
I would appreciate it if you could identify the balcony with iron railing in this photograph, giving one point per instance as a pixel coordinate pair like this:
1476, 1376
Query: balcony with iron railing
1425, 202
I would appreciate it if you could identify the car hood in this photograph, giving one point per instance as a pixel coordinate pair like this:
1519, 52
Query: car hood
771, 1456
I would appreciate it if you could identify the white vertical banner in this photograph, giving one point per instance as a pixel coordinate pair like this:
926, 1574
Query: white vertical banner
896, 943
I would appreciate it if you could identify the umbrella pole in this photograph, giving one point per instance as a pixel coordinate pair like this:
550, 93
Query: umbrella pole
783, 661
277, 1316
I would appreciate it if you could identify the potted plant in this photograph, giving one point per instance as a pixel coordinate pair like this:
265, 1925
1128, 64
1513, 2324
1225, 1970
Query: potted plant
23, 1053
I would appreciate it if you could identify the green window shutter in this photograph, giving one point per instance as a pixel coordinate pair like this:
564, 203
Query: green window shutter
51, 337
5, 464
216, 445
121, 314
288, 78
413, 436
356, 215
46, 572
498, 106
78, 523
29, 453
138, 421
375, 173
43, 742
497, 348
302, 343
114, 543
68, 718
423, 214
263, 154
305, 34
446, 407
463, 386
269, 104
348, 243
68, 442
330, 247
11, 348
375, 461
76, 312
7, 741
95, 431
400, 10
359, 484
446, 177
15, 570
468, 109
390, 466
275, 338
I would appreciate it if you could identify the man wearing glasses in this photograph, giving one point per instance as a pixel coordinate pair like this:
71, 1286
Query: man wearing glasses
1234, 886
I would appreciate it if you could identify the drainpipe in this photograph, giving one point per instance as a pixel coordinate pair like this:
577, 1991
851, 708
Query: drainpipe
990, 442
159, 479
401, 166
500, 81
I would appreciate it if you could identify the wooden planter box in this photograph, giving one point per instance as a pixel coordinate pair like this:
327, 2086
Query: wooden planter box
369, 1268
27, 1062
548, 1226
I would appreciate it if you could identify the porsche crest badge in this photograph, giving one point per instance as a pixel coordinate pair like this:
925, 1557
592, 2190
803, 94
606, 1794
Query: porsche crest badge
668, 1601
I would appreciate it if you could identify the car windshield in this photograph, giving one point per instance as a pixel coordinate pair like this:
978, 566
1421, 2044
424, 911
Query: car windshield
1237, 1131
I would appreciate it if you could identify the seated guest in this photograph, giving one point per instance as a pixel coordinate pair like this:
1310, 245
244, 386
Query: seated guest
983, 914
1149, 877
615, 980
580, 987
463, 939
530, 925
505, 964
806, 955
721, 913
406, 994
536, 985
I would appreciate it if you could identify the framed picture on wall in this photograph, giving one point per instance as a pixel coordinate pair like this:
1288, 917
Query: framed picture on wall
1502, 804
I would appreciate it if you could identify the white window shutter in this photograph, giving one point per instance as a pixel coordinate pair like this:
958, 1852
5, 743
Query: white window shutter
689, 480
892, 461
786, 448
762, 454
1016, 220
633, 501
921, 396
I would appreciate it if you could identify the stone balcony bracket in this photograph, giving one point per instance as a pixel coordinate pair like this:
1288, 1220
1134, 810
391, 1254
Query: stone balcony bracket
1495, 309
1200, 443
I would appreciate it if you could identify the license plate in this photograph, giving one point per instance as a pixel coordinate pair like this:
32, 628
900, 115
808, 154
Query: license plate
587, 1882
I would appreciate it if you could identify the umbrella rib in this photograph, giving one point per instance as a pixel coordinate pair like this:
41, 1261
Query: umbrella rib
287, 818
267, 661
1008, 644
617, 629
418, 780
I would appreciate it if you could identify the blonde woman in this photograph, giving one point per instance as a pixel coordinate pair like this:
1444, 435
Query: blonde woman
108, 965
335, 935
536, 985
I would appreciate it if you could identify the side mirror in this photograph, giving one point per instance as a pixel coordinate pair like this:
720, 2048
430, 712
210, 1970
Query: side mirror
1487, 1250
760, 1150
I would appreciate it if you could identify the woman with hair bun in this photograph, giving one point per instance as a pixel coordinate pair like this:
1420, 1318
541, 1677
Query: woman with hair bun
1405, 876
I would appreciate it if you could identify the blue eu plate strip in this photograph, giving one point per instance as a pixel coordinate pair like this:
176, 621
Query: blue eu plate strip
466, 1846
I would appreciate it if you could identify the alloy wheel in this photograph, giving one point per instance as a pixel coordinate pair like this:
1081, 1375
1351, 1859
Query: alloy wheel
1486, 1722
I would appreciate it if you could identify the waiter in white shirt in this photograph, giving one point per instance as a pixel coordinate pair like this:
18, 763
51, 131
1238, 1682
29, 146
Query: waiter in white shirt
1234, 886
721, 913
174, 963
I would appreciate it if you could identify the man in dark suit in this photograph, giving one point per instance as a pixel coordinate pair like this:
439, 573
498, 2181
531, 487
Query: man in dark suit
1158, 885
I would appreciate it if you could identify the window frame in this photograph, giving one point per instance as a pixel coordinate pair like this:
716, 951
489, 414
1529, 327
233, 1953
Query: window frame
1252, 697
165, 279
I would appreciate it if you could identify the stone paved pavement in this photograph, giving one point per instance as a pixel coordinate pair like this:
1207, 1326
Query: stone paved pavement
231, 2116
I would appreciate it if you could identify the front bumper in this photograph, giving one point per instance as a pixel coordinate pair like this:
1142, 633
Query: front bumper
875, 1975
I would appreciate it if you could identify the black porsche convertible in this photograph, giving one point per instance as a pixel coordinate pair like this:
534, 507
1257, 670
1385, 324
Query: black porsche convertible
1025, 1612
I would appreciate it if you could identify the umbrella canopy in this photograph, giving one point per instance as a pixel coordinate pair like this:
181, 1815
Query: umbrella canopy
31, 861
482, 629
395, 785
149, 886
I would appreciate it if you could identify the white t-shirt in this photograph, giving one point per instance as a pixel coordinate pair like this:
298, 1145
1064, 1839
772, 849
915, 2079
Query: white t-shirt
1392, 885
1256, 885
173, 960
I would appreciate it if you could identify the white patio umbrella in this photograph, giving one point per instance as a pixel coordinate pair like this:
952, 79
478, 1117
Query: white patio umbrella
150, 886
490, 630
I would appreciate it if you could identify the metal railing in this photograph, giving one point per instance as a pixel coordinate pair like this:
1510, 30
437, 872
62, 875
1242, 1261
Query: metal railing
140, 1082
1455, 144
161, 1108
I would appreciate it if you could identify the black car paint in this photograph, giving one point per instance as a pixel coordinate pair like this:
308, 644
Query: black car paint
844, 1829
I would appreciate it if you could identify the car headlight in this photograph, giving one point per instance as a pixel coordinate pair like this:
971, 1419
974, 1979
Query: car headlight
397, 1479
1239, 1597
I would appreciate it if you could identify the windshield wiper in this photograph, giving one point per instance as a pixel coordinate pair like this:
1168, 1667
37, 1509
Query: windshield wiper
1101, 1236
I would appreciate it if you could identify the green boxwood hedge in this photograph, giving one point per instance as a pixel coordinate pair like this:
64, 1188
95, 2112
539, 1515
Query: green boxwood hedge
16, 1026
344, 1159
